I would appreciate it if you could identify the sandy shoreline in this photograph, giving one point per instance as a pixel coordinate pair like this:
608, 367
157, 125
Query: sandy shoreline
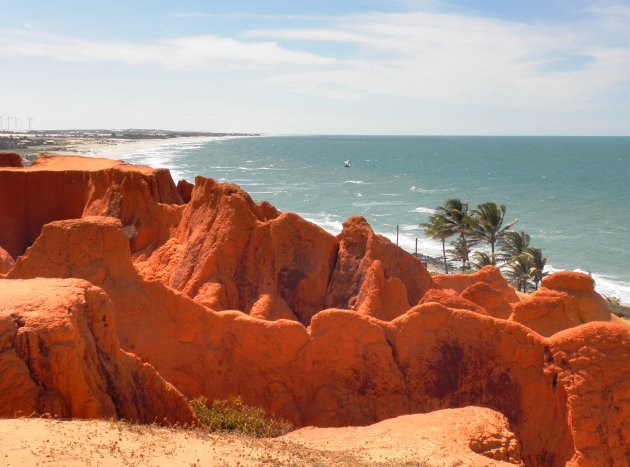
117, 148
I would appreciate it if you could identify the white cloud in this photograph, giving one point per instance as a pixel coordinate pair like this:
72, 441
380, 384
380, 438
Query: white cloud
256, 16
183, 53
423, 56
460, 59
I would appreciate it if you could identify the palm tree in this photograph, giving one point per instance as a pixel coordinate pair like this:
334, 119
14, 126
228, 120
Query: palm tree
438, 229
538, 264
520, 270
457, 219
487, 223
513, 244
456, 216
460, 251
482, 259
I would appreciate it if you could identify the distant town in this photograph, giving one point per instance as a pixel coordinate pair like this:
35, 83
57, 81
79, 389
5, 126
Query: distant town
55, 140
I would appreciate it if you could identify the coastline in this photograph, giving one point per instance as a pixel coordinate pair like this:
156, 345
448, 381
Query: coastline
120, 148
115, 148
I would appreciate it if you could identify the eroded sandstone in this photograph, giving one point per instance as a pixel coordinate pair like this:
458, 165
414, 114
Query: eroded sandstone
332, 338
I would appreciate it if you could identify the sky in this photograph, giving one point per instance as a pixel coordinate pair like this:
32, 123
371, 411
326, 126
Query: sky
438, 67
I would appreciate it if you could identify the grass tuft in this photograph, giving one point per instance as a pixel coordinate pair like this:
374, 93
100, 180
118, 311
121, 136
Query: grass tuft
615, 306
233, 415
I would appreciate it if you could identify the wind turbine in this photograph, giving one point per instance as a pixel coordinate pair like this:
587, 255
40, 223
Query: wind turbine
15, 123
1, 122
30, 119
8, 122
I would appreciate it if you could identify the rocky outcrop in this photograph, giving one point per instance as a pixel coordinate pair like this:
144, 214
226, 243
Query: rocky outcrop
590, 363
363, 359
488, 298
347, 368
10, 159
398, 278
6, 261
69, 187
544, 314
221, 249
184, 189
450, 299
230, 253
489, 275
577, 291
565, 300
59, 355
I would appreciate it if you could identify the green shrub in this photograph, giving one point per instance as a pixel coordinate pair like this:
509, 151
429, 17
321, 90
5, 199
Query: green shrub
616, 307
614, 304
234, 415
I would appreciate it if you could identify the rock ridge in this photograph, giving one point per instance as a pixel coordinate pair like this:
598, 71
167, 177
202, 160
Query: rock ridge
332, 331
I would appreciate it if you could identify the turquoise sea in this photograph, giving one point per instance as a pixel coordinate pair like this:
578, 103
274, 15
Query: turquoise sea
571, 194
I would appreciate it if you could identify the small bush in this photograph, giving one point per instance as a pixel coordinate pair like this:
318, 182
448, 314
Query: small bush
234, 415
615, 306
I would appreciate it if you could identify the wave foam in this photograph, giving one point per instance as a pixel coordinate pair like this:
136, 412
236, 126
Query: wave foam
423, 210
417, 189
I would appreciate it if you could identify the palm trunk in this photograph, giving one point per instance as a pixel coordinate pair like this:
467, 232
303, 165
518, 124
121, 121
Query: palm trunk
465, 251
444, 255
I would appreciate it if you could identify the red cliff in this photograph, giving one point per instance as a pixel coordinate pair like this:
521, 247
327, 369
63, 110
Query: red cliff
489, 275
362, 360
59, 355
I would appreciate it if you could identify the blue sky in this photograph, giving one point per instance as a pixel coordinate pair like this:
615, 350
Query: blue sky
495, 67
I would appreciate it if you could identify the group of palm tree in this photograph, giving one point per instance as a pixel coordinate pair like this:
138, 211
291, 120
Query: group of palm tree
486, 225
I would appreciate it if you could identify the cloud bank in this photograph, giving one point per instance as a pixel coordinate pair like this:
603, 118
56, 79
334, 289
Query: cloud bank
423, 55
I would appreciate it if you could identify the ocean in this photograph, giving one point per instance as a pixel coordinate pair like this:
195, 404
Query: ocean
571, 194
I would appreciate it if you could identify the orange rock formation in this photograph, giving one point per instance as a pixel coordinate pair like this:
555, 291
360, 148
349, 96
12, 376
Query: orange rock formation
565, 299
70, 187
450, 299
488, 274
10, 159
366, 358
184, 189
59, 355
6, 261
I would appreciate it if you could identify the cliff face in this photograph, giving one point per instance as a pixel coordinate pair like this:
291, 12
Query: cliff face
59, 355
70, 187
230, 253
341, 340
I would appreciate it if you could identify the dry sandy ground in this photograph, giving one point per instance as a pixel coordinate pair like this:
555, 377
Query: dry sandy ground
442, 438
